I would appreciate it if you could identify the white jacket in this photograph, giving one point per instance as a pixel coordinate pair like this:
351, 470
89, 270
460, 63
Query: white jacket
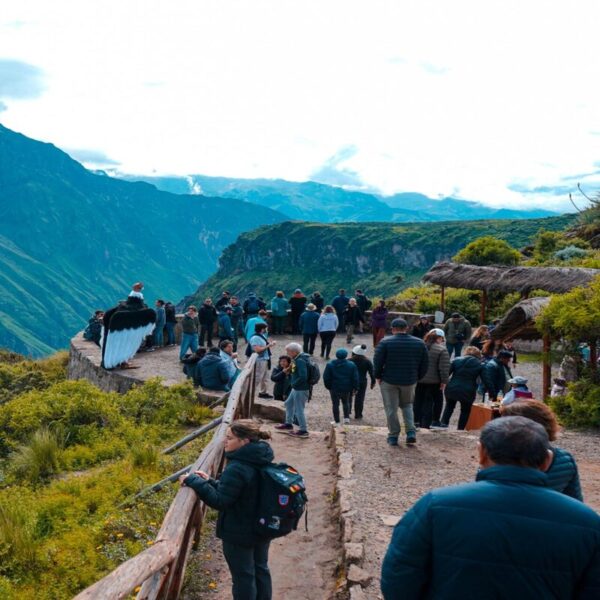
328, 322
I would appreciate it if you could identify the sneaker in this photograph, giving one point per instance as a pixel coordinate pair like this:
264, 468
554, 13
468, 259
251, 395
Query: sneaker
435, 424
346, 420
357, 417
411, 438
299, 434
264, 395
284, 426
439, 426
392, 440
335, 423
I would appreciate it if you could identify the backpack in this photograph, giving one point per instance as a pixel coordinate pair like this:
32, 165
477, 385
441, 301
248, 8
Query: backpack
313, 371
281, 500
249, 350
252, 306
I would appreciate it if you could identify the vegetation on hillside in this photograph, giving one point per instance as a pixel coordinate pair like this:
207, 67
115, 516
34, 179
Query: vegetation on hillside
488, 250
70, 455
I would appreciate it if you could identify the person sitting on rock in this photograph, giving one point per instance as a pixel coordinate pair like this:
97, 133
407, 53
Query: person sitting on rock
213, 371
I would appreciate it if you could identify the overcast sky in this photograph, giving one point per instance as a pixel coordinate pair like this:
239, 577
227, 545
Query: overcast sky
490, 100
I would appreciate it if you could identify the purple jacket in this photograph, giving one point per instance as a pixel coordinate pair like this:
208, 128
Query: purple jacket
379, 317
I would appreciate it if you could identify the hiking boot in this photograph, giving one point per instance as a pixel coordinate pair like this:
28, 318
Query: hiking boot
411, 438
264, 395
299, 434
392, 440
284, 426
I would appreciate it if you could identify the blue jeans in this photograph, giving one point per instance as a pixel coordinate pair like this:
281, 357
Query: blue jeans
170, 333
294, 407
158, 335
188, 340
456, 347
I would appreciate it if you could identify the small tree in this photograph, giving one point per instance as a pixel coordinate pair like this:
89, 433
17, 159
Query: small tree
488, 250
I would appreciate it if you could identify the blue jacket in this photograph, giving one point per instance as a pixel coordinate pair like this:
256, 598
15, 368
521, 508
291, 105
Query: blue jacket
464, 372
279, 307
504, 536
339, 303
213, 373
309, 320
563, 475
225, 328
235, 494
161, 317
341, 375
493, 377
400, 359
299, 373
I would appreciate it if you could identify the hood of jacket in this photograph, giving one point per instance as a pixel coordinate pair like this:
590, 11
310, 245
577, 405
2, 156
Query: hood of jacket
255, 453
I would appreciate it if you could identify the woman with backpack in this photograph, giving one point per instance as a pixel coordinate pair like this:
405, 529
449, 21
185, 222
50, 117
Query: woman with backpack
235, 495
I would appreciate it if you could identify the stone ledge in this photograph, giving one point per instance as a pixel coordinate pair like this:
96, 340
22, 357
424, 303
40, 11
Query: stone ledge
270, 410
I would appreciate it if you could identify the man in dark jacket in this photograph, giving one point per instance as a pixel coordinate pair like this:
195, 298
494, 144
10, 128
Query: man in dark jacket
400, 361
93, 331
364, 304
341, 379
213, 372
339, 304
422, 328
207, 315
504, 536
496, 373
170, 322
308, 322
224, 300
297, 306
353, 319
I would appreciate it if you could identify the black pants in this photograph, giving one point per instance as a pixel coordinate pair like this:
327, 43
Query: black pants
206, 331
428, 404
250, 575
279, 325
326, 341
295, 322
309, 340
465, 411
341, 325
346, 400
359, 399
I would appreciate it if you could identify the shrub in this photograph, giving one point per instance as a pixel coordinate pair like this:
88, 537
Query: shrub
488, 250
144, 456
570, 252
18, 550
581, 406
40, 458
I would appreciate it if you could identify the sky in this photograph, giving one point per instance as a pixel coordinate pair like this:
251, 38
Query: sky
490, 101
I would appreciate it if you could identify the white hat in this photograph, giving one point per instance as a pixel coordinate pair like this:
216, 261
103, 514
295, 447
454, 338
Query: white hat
360, 350
439, 332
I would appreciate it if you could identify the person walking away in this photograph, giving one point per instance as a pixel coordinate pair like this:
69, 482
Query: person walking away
170, 323
422, 328
253, 322
235, 495
279, 312
280, 376
237, 320
353, 317
318, 301
379, 318
189, 332
364, 366
495, 374
296, 402
457, 330
252, 304
297, 306
229, 357
519, 391
481, 335
93, 331
563, 474
262, 347
207, 315
327, 325
224, 300
430, 388
224, 328
364, 304
160, 323
503, 536
341, 379
400, 361
213, 371
462, 386
339, 304
309, 327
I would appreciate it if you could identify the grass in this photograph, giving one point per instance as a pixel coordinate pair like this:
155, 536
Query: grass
40, 458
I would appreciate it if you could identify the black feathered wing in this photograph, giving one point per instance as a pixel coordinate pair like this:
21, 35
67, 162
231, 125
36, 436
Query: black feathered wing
124, 332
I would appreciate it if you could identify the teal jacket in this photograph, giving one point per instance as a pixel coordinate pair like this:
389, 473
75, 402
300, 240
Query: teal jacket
279, 307
504, 536
299, 374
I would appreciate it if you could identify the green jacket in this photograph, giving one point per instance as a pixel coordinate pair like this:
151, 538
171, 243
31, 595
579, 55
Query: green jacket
189, 324
457, 332
279, 307
299, 375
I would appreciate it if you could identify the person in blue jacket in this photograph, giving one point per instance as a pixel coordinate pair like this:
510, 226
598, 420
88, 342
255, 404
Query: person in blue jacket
309, 327
212, 371
341, 379
504, 536
339, 303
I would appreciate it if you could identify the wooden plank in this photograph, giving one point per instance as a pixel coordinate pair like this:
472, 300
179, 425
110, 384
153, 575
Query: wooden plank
192, 436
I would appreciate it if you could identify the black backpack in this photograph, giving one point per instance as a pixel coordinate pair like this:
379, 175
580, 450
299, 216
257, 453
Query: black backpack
281, 500
249, 350
253, 305
312, 368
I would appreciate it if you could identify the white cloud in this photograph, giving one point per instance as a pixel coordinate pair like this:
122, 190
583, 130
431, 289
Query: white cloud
468, 97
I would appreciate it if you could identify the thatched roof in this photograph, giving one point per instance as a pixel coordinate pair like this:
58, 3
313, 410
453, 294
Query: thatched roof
519, 321
557, 280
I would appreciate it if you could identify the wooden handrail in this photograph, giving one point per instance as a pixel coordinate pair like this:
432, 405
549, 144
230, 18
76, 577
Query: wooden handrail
159, 569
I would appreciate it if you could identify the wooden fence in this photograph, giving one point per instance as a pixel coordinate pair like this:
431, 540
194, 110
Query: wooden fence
158, 571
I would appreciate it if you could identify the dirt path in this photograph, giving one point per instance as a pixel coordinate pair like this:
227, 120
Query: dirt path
303, 564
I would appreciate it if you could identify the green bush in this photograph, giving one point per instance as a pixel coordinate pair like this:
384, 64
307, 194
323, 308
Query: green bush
18, 550
581, 406
488, 250
40, 458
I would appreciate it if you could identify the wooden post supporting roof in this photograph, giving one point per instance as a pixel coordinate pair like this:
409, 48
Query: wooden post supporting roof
443, 300
593, 354
483, 307
546, 366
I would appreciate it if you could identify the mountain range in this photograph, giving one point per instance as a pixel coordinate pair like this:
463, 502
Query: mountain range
311, 201
72, 241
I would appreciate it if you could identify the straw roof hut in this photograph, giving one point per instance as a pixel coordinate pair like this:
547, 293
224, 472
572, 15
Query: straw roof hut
557, 280
519, 321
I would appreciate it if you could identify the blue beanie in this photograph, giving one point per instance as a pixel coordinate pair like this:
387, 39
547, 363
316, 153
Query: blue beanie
341, 353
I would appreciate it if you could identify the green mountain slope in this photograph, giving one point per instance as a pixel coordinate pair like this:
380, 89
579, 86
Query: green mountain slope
72, 241
382, 258
311, 201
